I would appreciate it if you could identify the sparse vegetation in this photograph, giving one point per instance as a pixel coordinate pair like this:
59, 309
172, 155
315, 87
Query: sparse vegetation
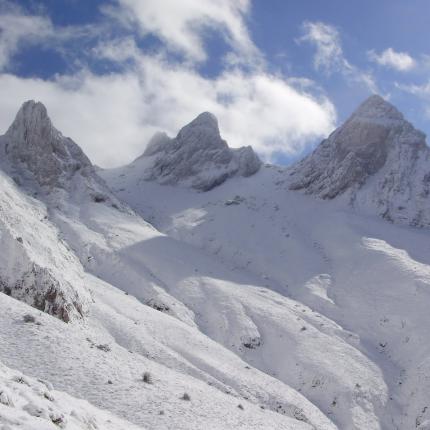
186, 397
104, 347
28, 318
58, 420
99, 198
147, 378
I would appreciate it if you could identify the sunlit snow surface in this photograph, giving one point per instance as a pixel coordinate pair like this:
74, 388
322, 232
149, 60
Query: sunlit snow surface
269, 308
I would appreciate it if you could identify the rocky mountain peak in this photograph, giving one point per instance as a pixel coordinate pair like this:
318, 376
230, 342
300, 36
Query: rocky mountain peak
375, 107
32, 119
202, 133
196, 157
375, 152
205, 119
32, 144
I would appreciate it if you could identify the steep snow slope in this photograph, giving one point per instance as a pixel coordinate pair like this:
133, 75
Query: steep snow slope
247, 294
197, 157
120, 337
29, 404
353, 271
103, 362
377, 161
36, 265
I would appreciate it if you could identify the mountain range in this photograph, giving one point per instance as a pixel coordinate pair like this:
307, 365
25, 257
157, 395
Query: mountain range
198, 287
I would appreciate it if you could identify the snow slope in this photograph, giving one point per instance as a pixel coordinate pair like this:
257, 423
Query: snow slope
30, 404
269, 308
101, 356
366, 279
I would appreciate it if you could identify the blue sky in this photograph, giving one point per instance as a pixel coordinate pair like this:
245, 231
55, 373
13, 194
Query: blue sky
278, 74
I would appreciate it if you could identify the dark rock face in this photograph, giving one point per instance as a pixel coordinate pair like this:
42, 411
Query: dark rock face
40, 289
196, 157
377, 159
32, 141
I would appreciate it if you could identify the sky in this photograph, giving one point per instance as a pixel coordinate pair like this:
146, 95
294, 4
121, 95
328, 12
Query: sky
279, 75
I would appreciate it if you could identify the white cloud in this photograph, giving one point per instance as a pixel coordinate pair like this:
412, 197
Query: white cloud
401, 61
101, 113
329, 56
183, 25
422, 91
113, 116
114, 126
17, 28
326, 39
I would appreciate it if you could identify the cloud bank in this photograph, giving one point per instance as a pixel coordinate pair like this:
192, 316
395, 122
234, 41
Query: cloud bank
113, 115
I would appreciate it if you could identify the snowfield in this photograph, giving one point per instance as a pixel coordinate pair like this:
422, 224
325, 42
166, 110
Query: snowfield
248, 306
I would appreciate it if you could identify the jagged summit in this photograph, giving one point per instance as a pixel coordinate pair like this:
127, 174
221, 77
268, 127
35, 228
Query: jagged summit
375, 107
32, 118
196, 157
377, 159
33, 145
205, 119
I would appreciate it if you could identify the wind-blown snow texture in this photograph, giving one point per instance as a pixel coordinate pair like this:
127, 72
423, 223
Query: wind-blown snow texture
271, 309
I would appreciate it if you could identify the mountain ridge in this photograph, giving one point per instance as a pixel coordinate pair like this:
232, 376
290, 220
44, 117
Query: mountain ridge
376, 160
305, 313
197, 157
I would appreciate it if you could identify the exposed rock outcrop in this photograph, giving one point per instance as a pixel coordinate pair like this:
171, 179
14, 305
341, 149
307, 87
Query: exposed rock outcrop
35, 144
377, 160
197, 157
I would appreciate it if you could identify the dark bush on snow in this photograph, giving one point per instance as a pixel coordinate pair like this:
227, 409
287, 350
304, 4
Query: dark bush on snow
147, 377
27, 318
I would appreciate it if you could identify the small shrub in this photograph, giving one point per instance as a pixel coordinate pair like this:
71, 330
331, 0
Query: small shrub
186, 397
104, 347
58, 420
99, 198
147, 377
240, 406
27, 318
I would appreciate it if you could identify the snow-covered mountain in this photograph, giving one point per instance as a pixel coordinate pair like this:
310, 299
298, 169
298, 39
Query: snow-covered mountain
378, 160
33, 144
197, 157
270, 308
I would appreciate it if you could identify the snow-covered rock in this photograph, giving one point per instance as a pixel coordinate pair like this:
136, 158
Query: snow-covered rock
197, 157
49, 165
377, 160
33, 143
